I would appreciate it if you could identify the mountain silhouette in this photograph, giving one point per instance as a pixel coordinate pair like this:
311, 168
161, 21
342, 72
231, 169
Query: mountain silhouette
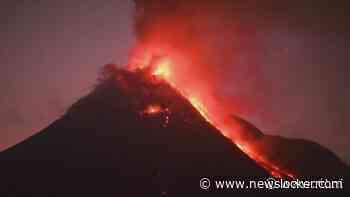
132, 135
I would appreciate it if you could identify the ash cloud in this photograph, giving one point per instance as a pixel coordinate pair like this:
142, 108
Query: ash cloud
218, 37
280, 64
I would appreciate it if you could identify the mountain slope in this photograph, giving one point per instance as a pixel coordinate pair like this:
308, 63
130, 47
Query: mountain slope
304, 158
132, 135
135, 135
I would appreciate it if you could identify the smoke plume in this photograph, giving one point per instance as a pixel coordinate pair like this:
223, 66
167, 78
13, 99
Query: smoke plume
268, 61
214, 46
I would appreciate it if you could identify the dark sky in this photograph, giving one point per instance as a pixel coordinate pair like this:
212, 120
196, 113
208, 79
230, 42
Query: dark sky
51, 50
307, 61
50, 53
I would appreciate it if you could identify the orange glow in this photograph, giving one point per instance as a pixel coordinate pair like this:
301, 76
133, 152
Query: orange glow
153, 109
162, 69
199, 106
171, 69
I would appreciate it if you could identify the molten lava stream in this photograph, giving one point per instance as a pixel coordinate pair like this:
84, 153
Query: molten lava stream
162, 70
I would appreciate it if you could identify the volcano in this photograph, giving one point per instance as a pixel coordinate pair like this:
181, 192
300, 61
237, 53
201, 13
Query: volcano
134, 134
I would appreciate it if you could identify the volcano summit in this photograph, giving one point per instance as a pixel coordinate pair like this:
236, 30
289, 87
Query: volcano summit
134, 134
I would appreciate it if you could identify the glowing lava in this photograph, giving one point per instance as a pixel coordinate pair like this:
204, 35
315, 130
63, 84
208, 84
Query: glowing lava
196, 103
164, 68
153, 109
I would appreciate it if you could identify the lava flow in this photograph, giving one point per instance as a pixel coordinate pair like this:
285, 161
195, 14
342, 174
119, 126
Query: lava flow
153, 109
162, 68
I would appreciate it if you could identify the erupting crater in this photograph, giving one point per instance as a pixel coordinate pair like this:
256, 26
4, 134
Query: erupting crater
161, 68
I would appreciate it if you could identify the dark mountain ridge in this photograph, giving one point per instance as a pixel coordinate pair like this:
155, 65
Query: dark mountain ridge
107, 143
136, 135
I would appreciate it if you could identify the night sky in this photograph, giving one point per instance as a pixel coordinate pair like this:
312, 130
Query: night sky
51, 51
